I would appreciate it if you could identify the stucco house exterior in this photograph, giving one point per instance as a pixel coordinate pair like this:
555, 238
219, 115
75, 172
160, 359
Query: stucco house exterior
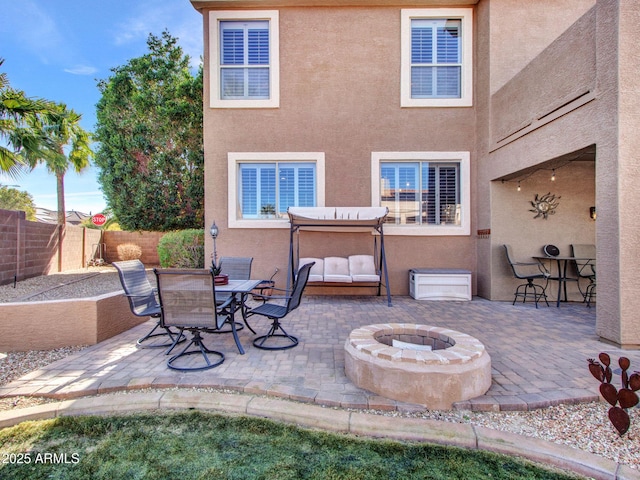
453, 114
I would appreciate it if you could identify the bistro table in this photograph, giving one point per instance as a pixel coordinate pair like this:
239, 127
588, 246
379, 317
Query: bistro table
562, 261
239, 291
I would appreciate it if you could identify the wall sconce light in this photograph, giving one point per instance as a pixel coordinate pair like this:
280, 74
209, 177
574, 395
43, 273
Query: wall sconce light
519, 185
553, 175
592, 213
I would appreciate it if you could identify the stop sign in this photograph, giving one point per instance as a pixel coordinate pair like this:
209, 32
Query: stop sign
99, 219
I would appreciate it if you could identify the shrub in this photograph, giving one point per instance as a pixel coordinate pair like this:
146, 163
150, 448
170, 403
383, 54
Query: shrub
129, 251
182, 249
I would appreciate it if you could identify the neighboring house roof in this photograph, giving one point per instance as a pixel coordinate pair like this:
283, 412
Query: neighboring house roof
44, 215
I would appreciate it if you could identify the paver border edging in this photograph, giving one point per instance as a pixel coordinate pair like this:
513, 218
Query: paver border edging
335, 420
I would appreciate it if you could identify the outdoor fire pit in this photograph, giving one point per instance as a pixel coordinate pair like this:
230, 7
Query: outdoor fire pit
429, 366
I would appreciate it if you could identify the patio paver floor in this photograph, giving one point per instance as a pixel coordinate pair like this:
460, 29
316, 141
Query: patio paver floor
539, 356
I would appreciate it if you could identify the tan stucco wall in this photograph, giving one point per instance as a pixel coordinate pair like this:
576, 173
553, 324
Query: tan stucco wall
623, 270
344, 102
522, 30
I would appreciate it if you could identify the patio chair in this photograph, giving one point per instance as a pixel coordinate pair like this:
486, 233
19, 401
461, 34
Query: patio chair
144, 303
273, 340
528, 271
188, 302
237, 268
586, 268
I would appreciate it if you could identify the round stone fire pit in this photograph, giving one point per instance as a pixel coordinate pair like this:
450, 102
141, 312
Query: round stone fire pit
456, 368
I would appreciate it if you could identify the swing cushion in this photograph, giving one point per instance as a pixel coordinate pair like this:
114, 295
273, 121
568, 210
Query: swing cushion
317, 271
336, 269
362, 268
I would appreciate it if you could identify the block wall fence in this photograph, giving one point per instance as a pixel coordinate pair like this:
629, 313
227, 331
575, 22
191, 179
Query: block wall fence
29, 249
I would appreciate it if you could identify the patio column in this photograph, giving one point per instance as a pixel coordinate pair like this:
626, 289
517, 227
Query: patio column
617, 174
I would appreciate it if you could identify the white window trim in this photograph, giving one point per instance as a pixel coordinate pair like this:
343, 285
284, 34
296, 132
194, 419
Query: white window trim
215, 17
235, 158
426, 230
466, 81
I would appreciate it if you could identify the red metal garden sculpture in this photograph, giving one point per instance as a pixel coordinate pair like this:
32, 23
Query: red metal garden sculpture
626, 396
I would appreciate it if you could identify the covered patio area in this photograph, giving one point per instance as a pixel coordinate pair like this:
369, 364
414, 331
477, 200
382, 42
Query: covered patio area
539, 356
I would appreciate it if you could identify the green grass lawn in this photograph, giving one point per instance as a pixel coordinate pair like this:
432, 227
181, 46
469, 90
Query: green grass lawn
196, 445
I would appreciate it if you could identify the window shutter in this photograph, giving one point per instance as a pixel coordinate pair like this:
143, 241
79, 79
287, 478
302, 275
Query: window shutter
248, 190
306, 187
232, 47
435, 64
267, 187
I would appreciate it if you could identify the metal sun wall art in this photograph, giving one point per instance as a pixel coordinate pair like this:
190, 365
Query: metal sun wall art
544, 205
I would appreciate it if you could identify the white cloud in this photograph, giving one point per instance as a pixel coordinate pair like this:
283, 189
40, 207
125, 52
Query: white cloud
178, 18
81, 70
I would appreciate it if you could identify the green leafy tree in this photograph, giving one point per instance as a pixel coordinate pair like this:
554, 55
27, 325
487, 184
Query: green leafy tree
13, 199
21, 138
71, 148
149, 127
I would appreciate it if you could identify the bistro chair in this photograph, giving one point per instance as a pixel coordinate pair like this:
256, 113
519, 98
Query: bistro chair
277, 338
143, 302
585, 255
237, 268
528, 271
188, 302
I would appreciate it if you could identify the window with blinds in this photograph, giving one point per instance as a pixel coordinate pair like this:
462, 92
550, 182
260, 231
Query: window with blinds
436, 67
436, 58
244, 60
421, 193
267, 190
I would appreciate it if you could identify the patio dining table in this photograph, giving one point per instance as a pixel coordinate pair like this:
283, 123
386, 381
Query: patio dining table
239, 291
562, 261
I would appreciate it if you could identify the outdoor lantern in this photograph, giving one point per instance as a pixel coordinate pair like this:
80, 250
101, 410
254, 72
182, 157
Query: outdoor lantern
214, 230
214, 234
592, 213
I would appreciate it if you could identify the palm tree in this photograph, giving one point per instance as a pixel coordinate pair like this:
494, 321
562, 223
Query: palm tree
62, 129
21, 143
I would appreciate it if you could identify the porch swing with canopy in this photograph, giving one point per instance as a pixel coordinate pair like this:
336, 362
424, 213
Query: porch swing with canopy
356, 270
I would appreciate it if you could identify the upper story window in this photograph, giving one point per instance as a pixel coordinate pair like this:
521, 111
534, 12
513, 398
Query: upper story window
427, 193
436, 68
263, 185
245, 59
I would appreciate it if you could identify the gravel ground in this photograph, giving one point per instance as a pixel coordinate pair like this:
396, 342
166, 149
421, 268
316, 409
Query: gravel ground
583, 426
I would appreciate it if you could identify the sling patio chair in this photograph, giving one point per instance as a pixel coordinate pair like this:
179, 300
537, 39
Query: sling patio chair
237, 268
585, 255
144, 303
277, 338
188, 302
528, 271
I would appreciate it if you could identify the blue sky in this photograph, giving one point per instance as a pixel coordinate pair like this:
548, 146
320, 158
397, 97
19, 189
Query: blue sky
59, 49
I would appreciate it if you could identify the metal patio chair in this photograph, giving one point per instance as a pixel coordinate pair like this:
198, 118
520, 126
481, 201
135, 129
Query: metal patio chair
273, 340
237, 268
585, 255
144, 303
528, 271
188, 302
